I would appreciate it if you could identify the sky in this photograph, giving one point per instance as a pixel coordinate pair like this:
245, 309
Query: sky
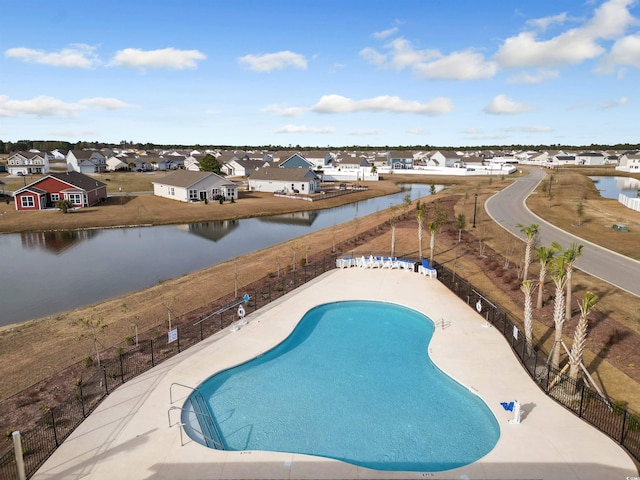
323, 73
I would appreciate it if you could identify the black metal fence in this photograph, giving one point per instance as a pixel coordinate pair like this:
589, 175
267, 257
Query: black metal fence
608, 416
58, 422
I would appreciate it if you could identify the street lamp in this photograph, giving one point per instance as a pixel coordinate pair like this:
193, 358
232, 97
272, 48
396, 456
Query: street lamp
475, 207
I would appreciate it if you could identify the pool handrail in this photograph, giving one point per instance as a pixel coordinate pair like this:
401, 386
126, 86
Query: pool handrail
216, 443
208, 415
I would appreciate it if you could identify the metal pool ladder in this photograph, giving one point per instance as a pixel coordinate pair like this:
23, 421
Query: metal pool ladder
208, 428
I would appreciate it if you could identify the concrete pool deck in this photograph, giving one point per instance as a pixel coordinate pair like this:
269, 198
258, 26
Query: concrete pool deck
128, 435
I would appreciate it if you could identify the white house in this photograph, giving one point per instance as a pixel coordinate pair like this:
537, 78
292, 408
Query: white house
629, 162
86, 161
189, 186
115, 164
289, 180
590, 158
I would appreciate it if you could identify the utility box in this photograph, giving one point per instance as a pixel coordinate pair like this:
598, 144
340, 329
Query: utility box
618, 227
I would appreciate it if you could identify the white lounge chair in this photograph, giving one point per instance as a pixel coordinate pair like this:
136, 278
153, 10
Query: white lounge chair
426, 269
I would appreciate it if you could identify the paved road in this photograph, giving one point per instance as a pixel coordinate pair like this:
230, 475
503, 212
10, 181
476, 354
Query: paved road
508, 209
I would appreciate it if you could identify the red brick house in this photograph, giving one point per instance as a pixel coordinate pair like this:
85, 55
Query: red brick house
82, 190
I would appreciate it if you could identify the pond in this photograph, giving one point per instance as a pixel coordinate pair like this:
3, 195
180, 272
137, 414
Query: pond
50, 272
612, 187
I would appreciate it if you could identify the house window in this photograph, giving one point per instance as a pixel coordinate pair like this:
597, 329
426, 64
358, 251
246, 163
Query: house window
55, 197
27, 202
76, 198
229, 192
172, 191
193, 194
302, 187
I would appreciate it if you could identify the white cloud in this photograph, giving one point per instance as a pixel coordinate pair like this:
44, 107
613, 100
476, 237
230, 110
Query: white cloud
44, 106
625, 51
161, 58
417, 131
609, 21
472, 131
533, 78
284, 111
543, 23
615, 103
73, 134
104, 102
502, 104
430, 63
340, 104
385, 33
75, 56
465, 65
364, 133
274, 61
373, 56
531, 129
305, 129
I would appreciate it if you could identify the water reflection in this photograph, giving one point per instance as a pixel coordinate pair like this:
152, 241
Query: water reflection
295, 218
214, 231
55, 242
101, 264
612, 187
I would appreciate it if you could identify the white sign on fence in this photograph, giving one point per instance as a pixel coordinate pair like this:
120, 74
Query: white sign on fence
515, 332
173, 335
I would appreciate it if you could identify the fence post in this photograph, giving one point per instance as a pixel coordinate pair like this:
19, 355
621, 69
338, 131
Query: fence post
104, 375
84, 414
201, 330
153, 363
624, 424
178, 339
121, 367
581, 400
17, 451
55, 430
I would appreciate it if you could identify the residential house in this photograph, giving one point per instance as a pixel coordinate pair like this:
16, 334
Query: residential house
115, 164
241, 168
590, 158
400, 159
80, 189
289, 180
629, 162
192, 186
27, 163
86, 161
296, 161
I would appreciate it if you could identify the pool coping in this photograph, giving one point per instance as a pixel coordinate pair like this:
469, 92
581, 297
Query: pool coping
128, 435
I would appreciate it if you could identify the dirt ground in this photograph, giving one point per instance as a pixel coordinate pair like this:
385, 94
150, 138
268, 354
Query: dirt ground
36, 352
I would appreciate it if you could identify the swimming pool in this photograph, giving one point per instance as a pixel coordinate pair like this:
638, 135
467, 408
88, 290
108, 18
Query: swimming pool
352, 382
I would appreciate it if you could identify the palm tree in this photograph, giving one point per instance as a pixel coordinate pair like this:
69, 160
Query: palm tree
571, 254
392, 221
530, 232
545, 255
559, 277
527, 288
461, 222
433, 229
420, 218
580, 335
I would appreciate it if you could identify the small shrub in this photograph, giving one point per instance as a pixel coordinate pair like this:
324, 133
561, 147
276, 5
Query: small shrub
129, 341
9, 434
619, 407
87, 362
119, 352
78, 382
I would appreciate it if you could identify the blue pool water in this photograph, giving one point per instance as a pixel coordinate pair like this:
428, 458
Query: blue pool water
353, 382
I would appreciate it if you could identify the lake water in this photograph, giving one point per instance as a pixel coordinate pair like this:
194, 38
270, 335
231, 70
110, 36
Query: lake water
612, 187
47, 273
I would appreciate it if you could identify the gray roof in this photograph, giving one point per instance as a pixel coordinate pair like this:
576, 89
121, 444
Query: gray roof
186, 178
283, 174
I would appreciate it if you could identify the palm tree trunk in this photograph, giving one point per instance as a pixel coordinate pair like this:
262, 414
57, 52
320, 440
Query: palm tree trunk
558, 320
432, 246
543, 275
567, 314
527, 288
